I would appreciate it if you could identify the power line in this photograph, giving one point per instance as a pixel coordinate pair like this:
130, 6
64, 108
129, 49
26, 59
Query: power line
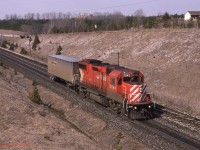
118, 6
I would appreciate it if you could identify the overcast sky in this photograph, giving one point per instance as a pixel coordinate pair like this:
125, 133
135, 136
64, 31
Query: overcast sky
127, 7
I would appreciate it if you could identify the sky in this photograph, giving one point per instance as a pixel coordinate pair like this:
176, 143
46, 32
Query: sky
127, 7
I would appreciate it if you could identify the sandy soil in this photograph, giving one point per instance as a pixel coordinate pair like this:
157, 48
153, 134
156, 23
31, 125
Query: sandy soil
26, 125
169, 58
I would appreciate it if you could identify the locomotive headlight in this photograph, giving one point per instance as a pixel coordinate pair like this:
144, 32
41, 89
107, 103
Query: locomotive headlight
149, 106
140, 89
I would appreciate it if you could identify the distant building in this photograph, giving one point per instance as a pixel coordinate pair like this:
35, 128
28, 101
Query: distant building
82, 16
192, 15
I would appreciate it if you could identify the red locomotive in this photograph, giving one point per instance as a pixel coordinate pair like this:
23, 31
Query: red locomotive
113, 86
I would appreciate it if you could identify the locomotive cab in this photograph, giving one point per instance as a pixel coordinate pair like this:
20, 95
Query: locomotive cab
137, 103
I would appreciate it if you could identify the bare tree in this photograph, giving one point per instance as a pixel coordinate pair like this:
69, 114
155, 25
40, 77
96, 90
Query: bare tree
38, 16
139, 17
29, 16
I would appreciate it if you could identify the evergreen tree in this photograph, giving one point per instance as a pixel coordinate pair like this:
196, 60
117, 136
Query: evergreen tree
35, 42
59, 49
35, 96
166, 20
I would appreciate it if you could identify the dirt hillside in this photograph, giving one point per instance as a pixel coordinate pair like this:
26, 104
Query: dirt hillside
25, 125
169, 58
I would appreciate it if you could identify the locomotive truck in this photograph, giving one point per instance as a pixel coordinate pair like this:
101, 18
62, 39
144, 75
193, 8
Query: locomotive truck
120, 88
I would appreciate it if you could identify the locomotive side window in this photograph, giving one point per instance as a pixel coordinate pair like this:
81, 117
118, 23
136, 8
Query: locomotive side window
112, 81
119, 81
82, 66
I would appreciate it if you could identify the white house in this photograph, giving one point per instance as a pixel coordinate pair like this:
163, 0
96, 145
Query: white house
192, 15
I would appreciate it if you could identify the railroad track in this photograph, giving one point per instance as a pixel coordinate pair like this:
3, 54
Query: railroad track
178, 117
148, 132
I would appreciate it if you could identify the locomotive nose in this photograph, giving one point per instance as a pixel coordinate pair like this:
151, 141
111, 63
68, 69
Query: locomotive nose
138, 93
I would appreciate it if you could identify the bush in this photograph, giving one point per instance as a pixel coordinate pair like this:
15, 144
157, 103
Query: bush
1, 63
12, 47
35, 96
4, 44
16, 45
34, 83
59, 50
22, 36
23, 51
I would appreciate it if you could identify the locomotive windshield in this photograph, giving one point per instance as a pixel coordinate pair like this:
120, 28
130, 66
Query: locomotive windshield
132, 78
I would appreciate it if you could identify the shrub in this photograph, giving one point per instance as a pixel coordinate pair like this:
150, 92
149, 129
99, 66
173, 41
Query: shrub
16, 45
15, 72
190, 24
34, 83
22, 36
4, 44
12, 47
1, 63
35, 96
23, 51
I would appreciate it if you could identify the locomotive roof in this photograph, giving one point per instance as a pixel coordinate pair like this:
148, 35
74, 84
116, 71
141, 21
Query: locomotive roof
121, 68
108, 66
66, 58
92, 61
96, 62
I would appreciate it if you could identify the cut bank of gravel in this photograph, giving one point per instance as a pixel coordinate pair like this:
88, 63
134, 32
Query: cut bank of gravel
169, 58
27, 125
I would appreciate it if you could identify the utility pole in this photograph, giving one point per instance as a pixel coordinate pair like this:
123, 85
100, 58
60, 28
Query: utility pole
118, 56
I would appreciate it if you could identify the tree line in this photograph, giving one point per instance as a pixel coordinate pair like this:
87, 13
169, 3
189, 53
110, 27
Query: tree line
67, 22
